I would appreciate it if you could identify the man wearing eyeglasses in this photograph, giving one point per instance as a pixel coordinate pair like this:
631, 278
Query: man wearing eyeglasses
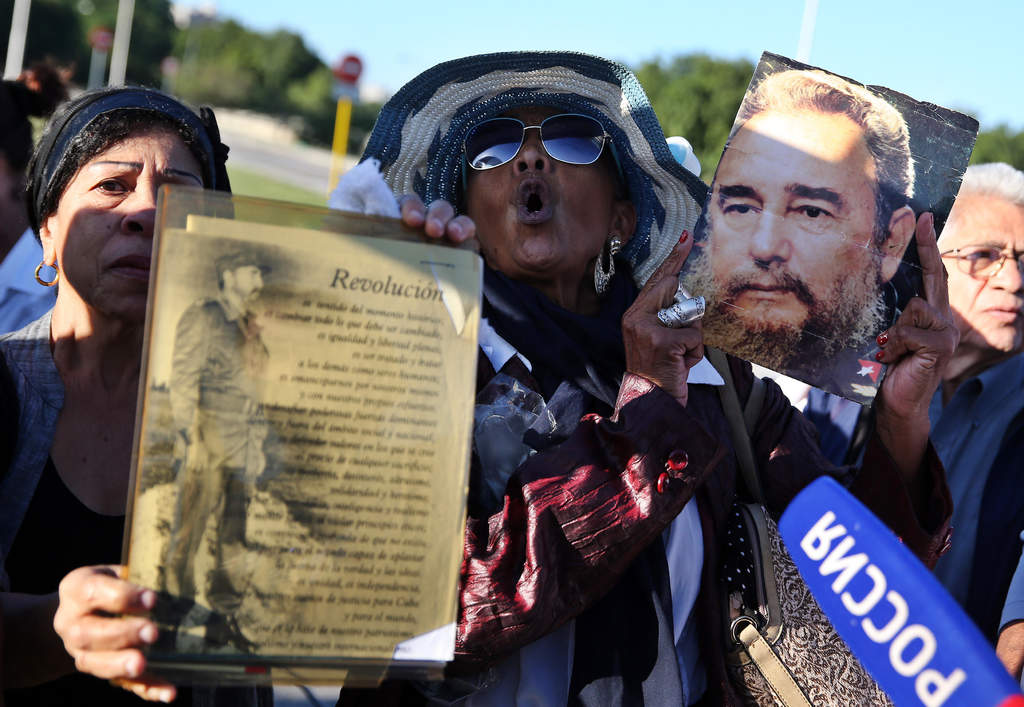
808, 218
982, 247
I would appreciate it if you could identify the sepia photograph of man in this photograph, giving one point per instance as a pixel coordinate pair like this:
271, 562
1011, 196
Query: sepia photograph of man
219, 356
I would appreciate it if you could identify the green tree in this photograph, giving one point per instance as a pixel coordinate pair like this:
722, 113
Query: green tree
222, 62
999, 145
697, 96
54, 31
229, 65
313, 99
225, 64
58, 30
219, 66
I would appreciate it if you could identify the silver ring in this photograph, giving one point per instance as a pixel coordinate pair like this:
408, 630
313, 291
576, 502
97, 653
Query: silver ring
679, 314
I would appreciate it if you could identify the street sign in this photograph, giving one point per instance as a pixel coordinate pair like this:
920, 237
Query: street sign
169, 66
348, 68
101, 39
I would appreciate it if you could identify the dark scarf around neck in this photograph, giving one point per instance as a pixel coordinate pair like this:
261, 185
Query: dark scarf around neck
562, 346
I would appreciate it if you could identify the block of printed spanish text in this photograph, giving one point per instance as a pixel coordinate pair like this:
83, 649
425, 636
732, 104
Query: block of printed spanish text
302, 445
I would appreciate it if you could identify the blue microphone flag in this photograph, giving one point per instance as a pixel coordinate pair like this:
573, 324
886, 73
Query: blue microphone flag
898, 620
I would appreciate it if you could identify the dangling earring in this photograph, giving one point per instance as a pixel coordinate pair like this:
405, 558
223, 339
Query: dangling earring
41, 281
603, 275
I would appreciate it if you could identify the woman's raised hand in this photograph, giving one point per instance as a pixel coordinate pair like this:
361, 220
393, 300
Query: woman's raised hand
437, 220
99, 620
919, 345
662, 355
917, 349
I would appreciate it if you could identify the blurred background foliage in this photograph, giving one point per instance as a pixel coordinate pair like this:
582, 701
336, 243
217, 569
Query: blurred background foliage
219, 62
999, 145
696, 96
224, 63
58, 31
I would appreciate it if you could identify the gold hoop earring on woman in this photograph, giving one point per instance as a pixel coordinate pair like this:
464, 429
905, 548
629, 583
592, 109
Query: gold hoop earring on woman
602, 274
41, 281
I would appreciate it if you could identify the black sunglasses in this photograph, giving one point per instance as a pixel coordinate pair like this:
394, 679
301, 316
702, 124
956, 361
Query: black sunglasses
567, 137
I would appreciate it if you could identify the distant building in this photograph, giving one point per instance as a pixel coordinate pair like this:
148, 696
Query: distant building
187, 15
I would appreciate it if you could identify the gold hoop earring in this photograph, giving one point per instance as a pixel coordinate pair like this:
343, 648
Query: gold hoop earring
41, 281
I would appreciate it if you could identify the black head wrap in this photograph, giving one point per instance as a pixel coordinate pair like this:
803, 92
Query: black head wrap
50, 166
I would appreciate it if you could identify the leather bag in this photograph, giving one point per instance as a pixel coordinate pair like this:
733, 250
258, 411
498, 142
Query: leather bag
784, 650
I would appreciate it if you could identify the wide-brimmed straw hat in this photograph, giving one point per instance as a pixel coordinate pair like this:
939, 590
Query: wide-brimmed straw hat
419, 134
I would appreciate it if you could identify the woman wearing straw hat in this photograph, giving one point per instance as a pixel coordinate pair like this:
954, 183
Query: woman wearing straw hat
591, 548
590, 568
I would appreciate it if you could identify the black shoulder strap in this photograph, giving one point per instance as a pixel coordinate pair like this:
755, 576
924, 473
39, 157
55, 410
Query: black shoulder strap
741, 421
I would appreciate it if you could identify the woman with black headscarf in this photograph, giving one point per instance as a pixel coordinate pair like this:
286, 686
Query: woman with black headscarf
598, 519
92, 193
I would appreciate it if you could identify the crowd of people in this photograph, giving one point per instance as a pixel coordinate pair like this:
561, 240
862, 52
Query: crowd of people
593, 545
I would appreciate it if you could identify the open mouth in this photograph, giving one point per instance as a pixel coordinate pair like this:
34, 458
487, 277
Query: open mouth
534, 201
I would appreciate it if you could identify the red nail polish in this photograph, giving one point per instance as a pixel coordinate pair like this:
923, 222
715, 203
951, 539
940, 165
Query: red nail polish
878, 356
662, 482
685, 237
882, 339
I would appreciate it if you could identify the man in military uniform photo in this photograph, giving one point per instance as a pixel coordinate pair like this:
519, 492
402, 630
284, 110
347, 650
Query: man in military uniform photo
219, 357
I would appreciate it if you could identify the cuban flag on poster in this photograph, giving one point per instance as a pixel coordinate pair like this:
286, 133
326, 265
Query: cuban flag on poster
898, 620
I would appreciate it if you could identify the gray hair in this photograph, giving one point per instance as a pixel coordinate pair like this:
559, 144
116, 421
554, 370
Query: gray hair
996, 179
885, 130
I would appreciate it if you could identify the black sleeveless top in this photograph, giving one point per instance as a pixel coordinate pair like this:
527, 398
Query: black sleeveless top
59, 534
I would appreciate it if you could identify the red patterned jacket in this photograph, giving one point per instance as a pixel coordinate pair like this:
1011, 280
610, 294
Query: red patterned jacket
575, 516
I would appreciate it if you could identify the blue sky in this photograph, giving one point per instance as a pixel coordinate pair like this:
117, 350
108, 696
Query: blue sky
963, 54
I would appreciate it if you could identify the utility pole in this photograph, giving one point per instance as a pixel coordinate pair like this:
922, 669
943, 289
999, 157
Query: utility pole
122, 37
16, 41
803, 52
346, 91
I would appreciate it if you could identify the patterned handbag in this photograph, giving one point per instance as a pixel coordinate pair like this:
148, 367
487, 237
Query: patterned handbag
784, 650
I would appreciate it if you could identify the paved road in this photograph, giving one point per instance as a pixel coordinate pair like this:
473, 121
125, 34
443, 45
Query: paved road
301, 165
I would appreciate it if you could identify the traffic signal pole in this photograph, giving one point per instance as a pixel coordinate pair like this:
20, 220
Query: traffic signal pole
122, 37
16, 40
339, 147
346, 72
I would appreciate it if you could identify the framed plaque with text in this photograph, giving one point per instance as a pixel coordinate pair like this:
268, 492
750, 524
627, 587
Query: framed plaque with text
303, 442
